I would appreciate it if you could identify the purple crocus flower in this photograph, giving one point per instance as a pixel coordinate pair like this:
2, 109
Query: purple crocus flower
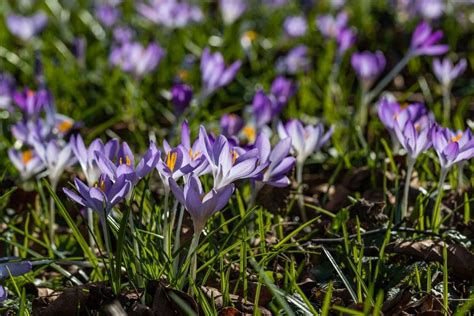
136, 59
430, 9
181, 96
446, 72
262, 108
7, 84
87, 157
103, 197
368, 66
414, 137
26, 132
214, 72
279, 164
26, 27
170, 13
295, 26
231, 124
231, 10
229, 164
8, 269
282, 89
107, 14
27, 162
424, 41
194, 160
122, 34
452, 147
201, 205
305, 140
388, 111
345, 40
331, 26
170, 166
30, 102
295, 61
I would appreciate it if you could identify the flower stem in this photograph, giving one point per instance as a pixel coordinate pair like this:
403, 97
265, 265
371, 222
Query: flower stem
108, 247
406, 190
299, 179
165, 228
193, 255
460, 175
446, 105
90, 223
52, 216
436, 220
363, 109
177, 238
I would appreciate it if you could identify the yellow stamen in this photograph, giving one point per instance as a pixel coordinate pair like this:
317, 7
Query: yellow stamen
250, 35
250, 133
456, 138
193, 155
171, 160
128, 161
30, 93
102, 185
65, 126
26, 156
235, 155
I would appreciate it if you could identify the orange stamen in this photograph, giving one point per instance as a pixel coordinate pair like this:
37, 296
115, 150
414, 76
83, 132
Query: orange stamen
26, 156
456, 138
65, 126
171, 160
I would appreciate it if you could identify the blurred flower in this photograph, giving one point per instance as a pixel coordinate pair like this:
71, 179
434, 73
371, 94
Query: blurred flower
368, 66
262, 108
229, 164
345, 40
122, 34
7, 86
279, 164
107, 14
275, 3
102, 197
170, 13
56, 157
295, 61
26, 27
134, 58
214, 72
414, 137
452, 147
446, 72
181, 96
388, 111
231, 124
337, 4
27, 162
430, 9
201, 205
305, 140
79, 50
31, 103
424, 41
26, 131
8, 269
282, 89
295, 26
231, 10
330, 26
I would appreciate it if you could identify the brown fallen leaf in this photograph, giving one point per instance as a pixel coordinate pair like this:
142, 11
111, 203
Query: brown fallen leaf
168, 301
459, 258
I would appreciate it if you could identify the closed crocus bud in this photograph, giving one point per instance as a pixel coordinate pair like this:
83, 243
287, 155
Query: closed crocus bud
425, 42
26, 27
368, 66
231, 10
231, 124
181, 96
295, 26
345, 40
262, 108
282, 89
107, 14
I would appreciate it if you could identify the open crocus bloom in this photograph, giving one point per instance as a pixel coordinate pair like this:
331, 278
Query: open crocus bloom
414, 137
200, 205
25, 27
388, 110
452, 147
27, 162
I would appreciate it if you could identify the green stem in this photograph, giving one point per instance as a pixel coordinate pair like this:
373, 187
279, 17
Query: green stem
137, 251
436, 220
165, 229
363, 109
446, 105
388, 78
460, 175
406, 190
299, 179
90, 223
193, 255
108, 247
52, 216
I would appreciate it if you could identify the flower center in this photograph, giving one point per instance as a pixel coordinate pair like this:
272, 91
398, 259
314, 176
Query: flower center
128, 162
235, 155
194, 155
64, 126
26, 156
30, 93
171, 158
456, 138
250, 133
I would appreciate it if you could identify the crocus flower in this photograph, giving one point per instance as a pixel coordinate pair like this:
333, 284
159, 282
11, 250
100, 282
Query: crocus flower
388, 110
26, 132
295, 26
181, 96
231, 124
55, 156
122, 34
27, 162
231, 10
107, 14
170, 13
201, 205
345, 40
226, 163
262, 108
452, 147
368, 66
214, 72
295, 61
194, 160
331, 26
26, 27
170, 166
8, 269
279, 164
7, 84
282, 89
305, 140
425, 42
446, 72
30, 102
430, 9
414, 137
87, 157
136, 59
103, 197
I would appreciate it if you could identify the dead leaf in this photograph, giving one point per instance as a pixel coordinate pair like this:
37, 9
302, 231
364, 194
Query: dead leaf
245, 307
168, 301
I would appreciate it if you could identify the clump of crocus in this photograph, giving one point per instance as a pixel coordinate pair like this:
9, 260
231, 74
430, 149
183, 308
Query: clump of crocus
134, 58
170, 13
368, 66
26, 27
295, 26
446, 73
214, 73
231, 10
8, 268
181, 96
